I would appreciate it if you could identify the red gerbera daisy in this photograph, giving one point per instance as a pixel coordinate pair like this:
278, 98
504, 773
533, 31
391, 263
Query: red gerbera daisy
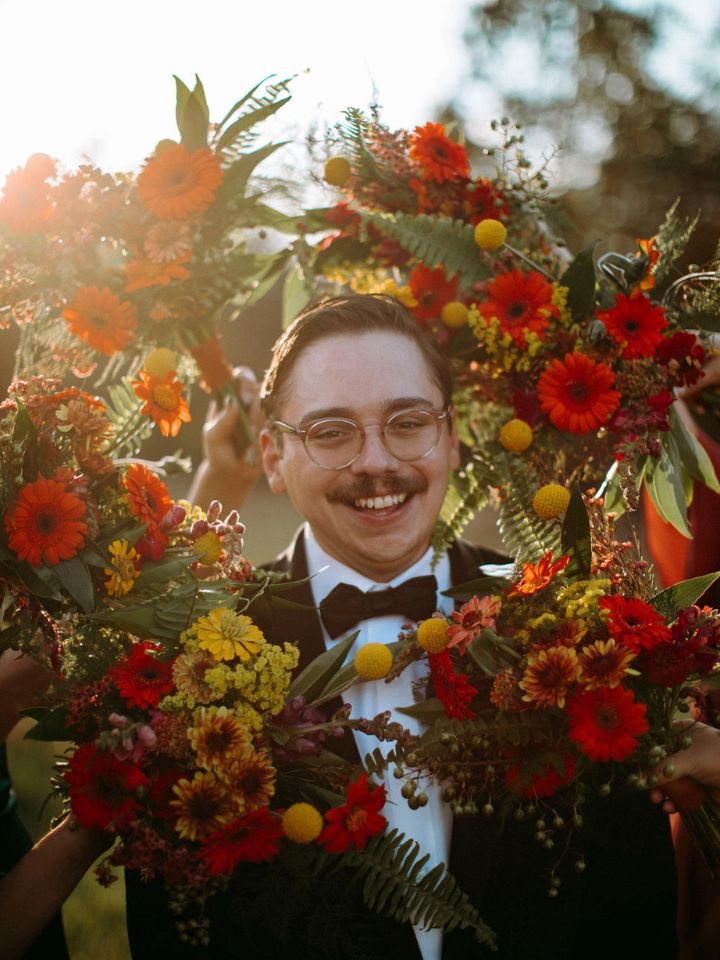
141, 677
605, 723
356, 819
439, 157
149, 497
576, 394
521, 303
453, 690
253, 838
634, 622
432, 290
636, 324
541, 781
44, 524
103, 790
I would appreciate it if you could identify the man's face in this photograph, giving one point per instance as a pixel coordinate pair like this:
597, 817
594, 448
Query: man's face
364, 377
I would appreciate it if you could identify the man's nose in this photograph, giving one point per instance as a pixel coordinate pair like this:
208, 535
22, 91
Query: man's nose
374, 457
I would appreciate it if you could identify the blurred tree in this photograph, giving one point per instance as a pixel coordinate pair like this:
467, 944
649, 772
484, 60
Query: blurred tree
591, 77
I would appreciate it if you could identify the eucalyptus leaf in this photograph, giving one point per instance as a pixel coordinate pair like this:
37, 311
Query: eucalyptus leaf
182, 95
576, 539
682, 594
666, 489
345, 677
310, 682
236, 176
296, 294
581, 282
491, 653
427, 711
247, 121
692, 453
52, 725
479, 587
75, 577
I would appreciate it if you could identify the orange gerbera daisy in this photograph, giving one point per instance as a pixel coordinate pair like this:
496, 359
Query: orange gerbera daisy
577, 393
25, 204
168, 240
521, 303
536, 576
149, 497
440, 157
164, 401
44, 524
176, 183
548, 676
432, 290
604, 663
143, 272
101, 319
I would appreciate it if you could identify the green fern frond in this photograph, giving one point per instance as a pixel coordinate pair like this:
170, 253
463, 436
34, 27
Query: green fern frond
526, 536
353, 131
466, 494
437, 241
394, 885
131, 426
672, 238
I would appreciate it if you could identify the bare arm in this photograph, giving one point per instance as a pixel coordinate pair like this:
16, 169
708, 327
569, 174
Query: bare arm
224, 475
41, 881
21, 679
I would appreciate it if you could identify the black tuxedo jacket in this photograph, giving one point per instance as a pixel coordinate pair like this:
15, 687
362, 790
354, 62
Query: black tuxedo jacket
622, 906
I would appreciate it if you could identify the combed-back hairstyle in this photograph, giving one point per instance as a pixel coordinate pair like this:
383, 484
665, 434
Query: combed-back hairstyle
356, 313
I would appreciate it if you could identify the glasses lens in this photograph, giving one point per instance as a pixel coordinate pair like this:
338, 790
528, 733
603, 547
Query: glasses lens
412, 434
333, 443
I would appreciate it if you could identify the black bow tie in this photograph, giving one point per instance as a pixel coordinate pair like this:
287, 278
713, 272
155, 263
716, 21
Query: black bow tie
346, 606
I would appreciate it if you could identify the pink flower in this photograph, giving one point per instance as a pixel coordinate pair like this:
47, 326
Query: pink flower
471, 618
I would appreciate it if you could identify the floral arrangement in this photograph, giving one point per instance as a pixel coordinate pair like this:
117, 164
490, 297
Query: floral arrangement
567, 682
562, 367
100, 269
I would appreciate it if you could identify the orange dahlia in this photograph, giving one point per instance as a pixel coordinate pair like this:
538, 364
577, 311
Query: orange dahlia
521, 303
149, 497
44, 524
143, 272
101, 319
536, 576
164, 401
606, 723
439, 157
548, 676
636, 324
577, 393
26, 206
432, 290
176, 183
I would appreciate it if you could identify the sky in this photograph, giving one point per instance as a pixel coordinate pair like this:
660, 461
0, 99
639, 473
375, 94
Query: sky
95, 79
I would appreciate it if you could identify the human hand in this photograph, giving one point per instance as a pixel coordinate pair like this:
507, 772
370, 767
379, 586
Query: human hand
691, 775
22, 678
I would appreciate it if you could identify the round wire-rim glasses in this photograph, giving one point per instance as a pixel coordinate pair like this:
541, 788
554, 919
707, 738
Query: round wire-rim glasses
407, 435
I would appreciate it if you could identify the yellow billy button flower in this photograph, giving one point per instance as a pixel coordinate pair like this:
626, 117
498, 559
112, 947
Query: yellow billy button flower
432, 634
373, 661
454, 315
490, 234
160, 362
550, 501
337, 171
302, 823
516, 436
228, 635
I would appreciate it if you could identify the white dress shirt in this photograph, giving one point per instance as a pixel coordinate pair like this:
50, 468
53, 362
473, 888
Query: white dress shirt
430, 825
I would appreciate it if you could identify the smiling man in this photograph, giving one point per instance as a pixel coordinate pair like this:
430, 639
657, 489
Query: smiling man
360, 434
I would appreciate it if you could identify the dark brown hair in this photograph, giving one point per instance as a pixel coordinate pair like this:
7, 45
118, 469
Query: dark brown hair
356, 313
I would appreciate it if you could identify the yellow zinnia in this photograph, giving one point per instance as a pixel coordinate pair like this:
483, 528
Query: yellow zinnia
123, 572
228, 635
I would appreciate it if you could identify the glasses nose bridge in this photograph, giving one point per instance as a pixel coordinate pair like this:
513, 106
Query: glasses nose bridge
369, 448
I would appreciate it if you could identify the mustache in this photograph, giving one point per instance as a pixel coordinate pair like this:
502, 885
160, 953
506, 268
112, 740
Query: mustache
364, 488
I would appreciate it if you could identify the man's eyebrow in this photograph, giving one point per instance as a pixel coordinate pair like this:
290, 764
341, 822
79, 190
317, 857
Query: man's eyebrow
347, 413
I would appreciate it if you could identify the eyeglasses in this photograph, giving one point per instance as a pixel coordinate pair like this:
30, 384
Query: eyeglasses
335, 443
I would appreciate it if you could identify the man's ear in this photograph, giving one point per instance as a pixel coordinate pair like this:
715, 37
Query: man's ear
454, 441
272, 461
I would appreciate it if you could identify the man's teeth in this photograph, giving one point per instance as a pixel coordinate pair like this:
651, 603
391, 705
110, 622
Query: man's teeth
381, 503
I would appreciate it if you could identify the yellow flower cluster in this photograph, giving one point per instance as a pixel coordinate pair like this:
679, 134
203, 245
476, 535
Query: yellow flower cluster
581, 598
259, 686
500, 346
559, 301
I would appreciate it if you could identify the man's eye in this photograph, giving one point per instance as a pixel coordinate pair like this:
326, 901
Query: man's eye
407, 423
331, 433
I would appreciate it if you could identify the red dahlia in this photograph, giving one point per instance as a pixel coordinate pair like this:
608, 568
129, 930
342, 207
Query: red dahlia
636, 324
605, 723
356, 819
103, 790
253, 838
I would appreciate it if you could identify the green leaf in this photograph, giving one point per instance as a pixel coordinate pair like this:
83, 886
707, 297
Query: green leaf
182, 94
576, 539
492, 653
51, 724
666, 488
160, 572
243, 100
427, 711
345, 677
692, 453
269, 278
479, 587
466, 494
682, 594
296, 294
318, 674
196, 119
247, 121
75, 577
23, 429
581, 282
309, 221
238, 173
